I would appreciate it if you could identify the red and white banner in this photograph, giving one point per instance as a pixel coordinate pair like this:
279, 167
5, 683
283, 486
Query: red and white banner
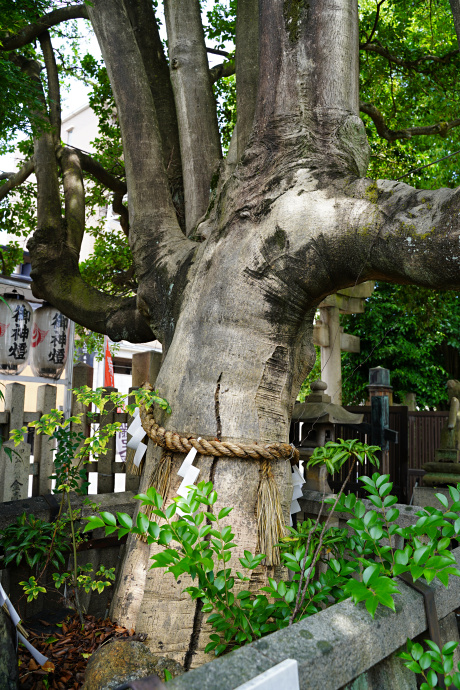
109, 379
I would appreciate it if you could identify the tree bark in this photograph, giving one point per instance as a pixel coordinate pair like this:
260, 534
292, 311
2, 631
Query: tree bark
195, 105
294, 221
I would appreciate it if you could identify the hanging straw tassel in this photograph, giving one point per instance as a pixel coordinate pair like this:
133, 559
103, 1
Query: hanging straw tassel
131, 468
269, 516
160, 479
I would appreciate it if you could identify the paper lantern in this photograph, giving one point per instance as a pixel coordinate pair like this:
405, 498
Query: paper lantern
50, 342
15, 333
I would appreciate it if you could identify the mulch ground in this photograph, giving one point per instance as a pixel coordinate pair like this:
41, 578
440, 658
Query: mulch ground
68, 647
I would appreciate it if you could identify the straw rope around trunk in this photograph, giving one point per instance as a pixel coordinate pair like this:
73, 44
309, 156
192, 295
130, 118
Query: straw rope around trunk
270, 521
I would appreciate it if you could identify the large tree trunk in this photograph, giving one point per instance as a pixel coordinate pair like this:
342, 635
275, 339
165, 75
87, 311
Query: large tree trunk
291, 220
234, 379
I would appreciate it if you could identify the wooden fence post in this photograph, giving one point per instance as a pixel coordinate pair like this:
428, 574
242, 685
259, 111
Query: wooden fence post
14, 483
44, 445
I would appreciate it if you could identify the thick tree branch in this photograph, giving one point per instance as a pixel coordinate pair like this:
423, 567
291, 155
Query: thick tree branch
216, 51
74, 198
93, 167
419, 236
409, 64
32, 31
195, 105
155, 235
160, 250
54, 96
393, 134
247, 69
225, 69
308, 87
15, 179
142, 17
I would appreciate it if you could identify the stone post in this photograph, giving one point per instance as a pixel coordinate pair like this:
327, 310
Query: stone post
14, 483
105, 475
44, 445
331, 362
145, 367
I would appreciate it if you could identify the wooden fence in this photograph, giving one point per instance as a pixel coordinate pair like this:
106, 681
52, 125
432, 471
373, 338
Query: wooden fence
419, 435
424, 438
28, 471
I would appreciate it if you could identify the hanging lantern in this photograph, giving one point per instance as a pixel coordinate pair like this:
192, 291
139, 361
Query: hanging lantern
15, 333
50, 342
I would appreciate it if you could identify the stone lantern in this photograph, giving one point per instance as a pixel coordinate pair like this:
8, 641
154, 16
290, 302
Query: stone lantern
318, 416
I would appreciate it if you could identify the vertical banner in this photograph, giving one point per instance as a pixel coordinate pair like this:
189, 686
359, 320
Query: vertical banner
121, 442
109, 379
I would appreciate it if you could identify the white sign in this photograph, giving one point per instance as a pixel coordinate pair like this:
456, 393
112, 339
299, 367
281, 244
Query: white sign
283, 676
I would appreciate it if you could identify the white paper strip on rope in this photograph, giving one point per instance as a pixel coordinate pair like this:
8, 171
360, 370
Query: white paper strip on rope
189, 473
187, 463
297, 492
136, 431
39, 658
134, 426
283, 676
188, 480
139, 454
297, 482
136, 438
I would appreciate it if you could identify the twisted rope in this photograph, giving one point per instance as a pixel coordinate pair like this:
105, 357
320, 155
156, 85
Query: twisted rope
269, 513
183, 444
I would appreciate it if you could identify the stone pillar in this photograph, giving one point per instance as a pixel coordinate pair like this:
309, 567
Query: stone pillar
14, 482
146, 366
331, 363
105, 475
44, 445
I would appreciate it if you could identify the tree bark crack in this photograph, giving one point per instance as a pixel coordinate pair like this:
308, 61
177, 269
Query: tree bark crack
217, 409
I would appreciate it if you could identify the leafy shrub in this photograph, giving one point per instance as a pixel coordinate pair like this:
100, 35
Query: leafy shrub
328, 564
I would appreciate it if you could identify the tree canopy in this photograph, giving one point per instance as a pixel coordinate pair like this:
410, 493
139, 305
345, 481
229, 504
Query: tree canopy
409, 64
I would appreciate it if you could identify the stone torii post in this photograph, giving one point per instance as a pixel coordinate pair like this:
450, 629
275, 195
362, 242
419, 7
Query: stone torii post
329, 336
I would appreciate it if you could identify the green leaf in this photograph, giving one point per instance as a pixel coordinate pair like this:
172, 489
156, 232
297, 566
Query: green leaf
108, 518
142, 522
442, 499
371, 573
93, 523
125, 520
224, 512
